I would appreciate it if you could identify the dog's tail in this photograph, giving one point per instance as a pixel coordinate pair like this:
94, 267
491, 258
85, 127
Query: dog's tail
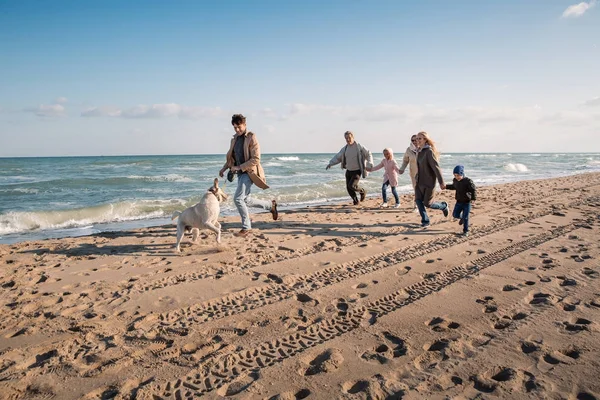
175, 214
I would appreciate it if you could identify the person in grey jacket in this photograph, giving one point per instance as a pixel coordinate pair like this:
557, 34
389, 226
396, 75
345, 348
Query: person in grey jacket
428, 170
355, 159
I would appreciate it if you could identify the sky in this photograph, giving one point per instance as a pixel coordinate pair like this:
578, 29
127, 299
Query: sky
112, 77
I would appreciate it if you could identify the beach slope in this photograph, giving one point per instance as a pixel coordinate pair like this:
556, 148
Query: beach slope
328, 302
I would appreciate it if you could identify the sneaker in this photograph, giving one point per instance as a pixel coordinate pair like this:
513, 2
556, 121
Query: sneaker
415, 210
461, 221
425, 226
445, 210
355, 202
397, 205
243, 233
384, 205
363, 194
274, 212
465, 234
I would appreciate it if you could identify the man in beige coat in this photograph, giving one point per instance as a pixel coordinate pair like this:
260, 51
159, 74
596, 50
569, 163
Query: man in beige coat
243, 159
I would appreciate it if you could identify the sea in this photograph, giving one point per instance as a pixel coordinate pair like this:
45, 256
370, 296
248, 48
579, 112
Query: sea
59, 197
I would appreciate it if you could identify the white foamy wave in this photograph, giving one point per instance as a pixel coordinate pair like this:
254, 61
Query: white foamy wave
445, 155
481, 155
593, 164
290, 158
535, 155
19, 222
162, 178
272, 164
516, 167
21, 190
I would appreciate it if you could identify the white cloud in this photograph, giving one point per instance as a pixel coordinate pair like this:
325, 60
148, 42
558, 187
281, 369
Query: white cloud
47, 110
592, 102
577, 10
60, 100
154, 111
420, 114
105, 111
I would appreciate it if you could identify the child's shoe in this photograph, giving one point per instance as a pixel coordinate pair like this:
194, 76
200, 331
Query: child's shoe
397, 205
465, 234
462, 221
384, 205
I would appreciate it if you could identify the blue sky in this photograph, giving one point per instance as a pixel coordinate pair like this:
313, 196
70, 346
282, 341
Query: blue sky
155, 77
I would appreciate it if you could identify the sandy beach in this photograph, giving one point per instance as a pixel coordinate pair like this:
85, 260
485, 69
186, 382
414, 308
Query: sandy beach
328, 302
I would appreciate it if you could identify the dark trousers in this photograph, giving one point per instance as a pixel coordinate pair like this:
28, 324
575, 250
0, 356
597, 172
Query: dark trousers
462, 211
352, 179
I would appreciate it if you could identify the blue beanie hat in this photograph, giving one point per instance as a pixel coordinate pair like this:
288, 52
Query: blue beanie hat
460, 170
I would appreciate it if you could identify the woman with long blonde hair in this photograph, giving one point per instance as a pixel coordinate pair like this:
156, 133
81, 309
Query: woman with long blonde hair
428, 170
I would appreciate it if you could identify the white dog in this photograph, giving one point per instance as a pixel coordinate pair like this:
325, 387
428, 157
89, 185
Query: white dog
202, 215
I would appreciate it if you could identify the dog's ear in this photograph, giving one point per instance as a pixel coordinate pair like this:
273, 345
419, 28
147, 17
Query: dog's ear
216, 182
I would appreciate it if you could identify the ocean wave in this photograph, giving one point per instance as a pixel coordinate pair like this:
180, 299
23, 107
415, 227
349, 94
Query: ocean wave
288, 158
161, 178
272, 164
481, 155
20, 190
516, 167
20, 222
445, 155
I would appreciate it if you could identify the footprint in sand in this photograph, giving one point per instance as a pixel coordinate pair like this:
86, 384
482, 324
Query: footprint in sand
540, 298
590, 273
306, 299
439, 324
576, 325
393, 347
528, 347
361, 285
489, 304
239, 385
585, 396
491, 379
327, 361
342, 307
566, 281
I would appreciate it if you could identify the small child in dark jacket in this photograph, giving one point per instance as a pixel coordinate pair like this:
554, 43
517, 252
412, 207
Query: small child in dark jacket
465, 193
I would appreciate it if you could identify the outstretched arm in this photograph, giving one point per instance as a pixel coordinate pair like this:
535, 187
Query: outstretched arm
336, 159
377, 167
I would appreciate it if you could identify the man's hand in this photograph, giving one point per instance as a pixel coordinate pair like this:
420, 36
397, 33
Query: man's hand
401, 172
222, 171
442, 186
328, 166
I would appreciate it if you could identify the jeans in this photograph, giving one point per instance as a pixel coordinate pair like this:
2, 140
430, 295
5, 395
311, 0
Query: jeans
384, 192
465, 209
242, 200
424, 198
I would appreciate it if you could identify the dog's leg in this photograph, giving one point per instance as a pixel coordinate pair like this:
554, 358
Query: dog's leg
216, 230
195, 234
180, 230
